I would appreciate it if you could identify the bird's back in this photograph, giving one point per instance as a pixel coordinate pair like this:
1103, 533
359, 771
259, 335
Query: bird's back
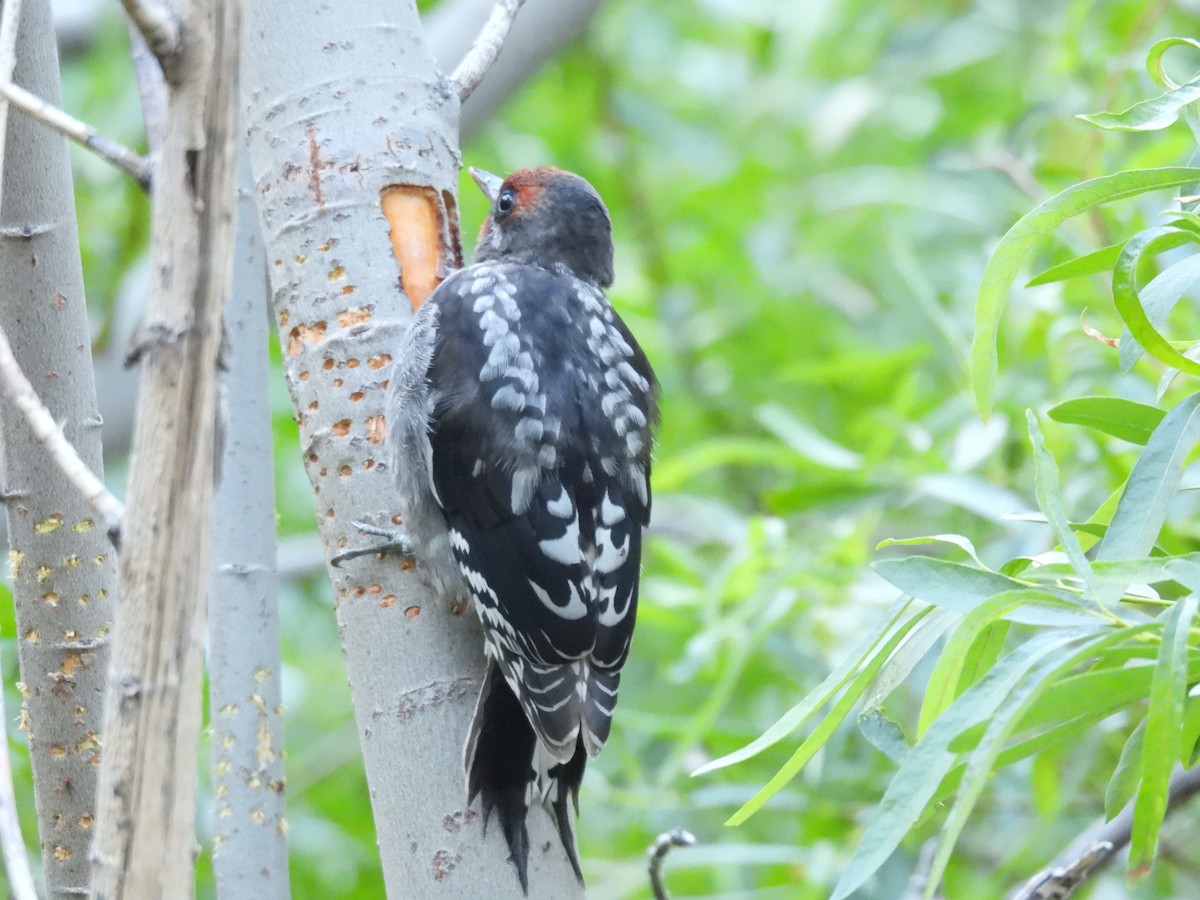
540, 414
521, 412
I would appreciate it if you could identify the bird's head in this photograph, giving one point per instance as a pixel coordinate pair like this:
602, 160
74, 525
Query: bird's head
549, 218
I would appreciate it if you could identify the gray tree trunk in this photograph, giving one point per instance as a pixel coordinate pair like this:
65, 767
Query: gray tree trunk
354, 148
145, 835
249, 853
64, 568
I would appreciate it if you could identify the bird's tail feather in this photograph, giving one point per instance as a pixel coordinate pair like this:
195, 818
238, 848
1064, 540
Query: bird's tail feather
564, 780
503, 763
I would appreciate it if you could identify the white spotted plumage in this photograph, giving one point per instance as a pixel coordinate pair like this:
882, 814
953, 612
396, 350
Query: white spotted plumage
526, 405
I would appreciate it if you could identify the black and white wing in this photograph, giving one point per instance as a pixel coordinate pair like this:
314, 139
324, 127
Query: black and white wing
540, 434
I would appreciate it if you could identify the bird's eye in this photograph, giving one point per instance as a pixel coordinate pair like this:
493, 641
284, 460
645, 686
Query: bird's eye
506, 201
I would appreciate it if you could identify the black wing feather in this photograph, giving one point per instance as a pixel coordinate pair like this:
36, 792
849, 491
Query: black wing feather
540, 437
475, 445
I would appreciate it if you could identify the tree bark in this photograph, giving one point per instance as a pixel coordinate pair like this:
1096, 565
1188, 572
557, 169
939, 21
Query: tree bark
353, 139
250, 843
63, 565
145, 841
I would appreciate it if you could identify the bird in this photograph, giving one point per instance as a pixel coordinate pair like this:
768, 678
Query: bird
521, 413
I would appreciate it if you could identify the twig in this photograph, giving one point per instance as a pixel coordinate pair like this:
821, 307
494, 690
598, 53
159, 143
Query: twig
1092, 850
135, 166
658, 852
541, 31
919, 880
18, 389
152, 88
1061, 881
16, 859
486, 48
1018, 174
162, 31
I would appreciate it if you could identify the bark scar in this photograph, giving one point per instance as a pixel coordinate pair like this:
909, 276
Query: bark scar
415, 701
192, 160
420, 237
314, 166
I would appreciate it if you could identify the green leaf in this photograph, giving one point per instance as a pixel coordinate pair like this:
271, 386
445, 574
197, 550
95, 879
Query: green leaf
884, 734
1089, 264
1154, 59
1098, 522
1152, 485
1186, 570
1009, 254
895, 627
1124, 419
946, 682
1049, 502
823, 731
1126, 572
1069, 729
1097, 690
960, 588
983, 653
957, 540
1090, 529
1164, 724
1189, 744
1183, 218
927, 763
907, 656
1158, 298
951, 585
1090, 695
1125, 777
1149, 115
999, 726
806, 440
1129, 304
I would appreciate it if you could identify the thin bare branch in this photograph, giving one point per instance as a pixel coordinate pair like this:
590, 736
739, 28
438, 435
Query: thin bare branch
1093, 849
50, 433
136, 167
486, 48
12, 845
539, 34
919, 880
152, 88
162, 31
658, 853
1060, 882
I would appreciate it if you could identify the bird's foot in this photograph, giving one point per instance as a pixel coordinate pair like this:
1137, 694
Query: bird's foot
394, 540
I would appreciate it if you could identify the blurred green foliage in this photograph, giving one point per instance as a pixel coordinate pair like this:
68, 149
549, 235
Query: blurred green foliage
804, 198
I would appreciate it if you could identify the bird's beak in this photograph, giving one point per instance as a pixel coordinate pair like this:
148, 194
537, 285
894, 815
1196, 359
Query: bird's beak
488, 183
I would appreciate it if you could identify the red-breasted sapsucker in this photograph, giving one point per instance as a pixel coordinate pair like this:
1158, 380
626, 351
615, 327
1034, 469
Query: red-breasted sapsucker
521, 411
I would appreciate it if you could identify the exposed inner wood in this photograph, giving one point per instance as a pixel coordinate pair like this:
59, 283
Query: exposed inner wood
418, 227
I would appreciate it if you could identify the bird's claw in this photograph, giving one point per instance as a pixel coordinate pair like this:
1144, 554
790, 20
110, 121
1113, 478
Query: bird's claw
395, 540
